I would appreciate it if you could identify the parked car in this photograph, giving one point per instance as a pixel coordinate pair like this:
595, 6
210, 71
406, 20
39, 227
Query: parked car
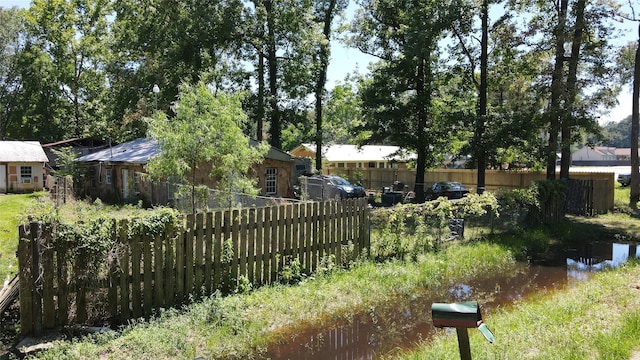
624, 179
324, 187
448, 189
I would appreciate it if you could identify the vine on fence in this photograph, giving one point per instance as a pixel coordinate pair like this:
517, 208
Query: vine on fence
405, 231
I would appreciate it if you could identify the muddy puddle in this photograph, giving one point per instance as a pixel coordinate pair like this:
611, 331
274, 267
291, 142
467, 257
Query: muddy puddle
400, 324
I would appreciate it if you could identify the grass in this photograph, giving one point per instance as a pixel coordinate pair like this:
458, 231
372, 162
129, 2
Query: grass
13, 209
597, 319
621, 196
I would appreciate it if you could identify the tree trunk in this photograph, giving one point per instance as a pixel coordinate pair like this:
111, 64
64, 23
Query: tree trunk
554, 111
482, 106
322, 79
572, 91
635, 127
423, 93
260, 110
272, 58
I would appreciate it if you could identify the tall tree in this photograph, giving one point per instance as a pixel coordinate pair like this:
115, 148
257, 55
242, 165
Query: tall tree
398, 99
11, 44
629, 67
282, 34
325, 13
70, 37
165, 42
205, 131
478, 142
554, 113
581, 75
571, 91
635, 129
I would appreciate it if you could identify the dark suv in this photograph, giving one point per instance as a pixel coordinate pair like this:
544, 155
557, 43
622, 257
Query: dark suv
325, 187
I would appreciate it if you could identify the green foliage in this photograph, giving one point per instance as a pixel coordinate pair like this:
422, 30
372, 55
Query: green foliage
156, 223
205, 135
67, 50
67, 166
406, 231
12, 21
92, 240
291, 272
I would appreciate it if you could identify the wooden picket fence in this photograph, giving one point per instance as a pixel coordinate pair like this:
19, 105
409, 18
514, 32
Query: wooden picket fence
212, 252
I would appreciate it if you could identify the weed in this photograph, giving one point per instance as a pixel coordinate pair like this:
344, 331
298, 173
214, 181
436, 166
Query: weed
291, 272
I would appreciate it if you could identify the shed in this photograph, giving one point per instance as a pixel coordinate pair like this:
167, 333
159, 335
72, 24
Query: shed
115, 174
22, 166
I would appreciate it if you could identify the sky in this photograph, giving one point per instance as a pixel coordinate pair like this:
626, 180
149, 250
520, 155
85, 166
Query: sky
345, 61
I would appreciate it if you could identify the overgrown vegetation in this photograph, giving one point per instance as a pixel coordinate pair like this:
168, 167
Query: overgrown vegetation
402, 260
242, 326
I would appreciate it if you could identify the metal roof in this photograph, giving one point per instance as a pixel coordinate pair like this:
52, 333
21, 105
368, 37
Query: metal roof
22, 151
136, 151
334, 153
142, 150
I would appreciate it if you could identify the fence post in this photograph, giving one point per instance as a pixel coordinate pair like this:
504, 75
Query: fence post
26, 282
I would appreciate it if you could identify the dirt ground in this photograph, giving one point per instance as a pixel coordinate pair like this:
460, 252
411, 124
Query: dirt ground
8, 333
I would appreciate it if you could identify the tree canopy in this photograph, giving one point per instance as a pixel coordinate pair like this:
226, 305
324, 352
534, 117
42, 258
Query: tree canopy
87, 68
204, 135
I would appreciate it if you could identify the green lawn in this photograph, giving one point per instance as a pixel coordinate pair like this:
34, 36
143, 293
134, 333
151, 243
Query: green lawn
13, 210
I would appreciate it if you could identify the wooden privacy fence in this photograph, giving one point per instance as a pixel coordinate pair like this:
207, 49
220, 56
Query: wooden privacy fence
213, 251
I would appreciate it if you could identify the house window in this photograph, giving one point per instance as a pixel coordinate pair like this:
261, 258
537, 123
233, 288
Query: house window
381, 165
107, 176
136, 182
372, 165
26, 174
341, 165
359, 165
271, 181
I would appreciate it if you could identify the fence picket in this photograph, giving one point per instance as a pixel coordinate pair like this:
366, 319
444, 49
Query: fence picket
136, 276
309, 235
48, 271
169, 266
112, 294
210, 251
26, 281
62, 280
147, 294
188, 255
217, 250
179, 258
272, 243
260, 253
158, 267
243, 233
235, 235
199, 255
251, 239
125, 280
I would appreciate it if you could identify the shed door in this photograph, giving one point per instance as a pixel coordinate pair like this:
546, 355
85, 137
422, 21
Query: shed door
125, 183
3, 178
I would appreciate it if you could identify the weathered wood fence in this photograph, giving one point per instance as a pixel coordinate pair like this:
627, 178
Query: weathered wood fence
213, 251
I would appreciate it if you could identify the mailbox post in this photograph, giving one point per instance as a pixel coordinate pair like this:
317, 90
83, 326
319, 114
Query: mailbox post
461, 316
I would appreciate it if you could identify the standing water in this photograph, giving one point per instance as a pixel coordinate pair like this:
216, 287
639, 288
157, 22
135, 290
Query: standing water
400, 324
